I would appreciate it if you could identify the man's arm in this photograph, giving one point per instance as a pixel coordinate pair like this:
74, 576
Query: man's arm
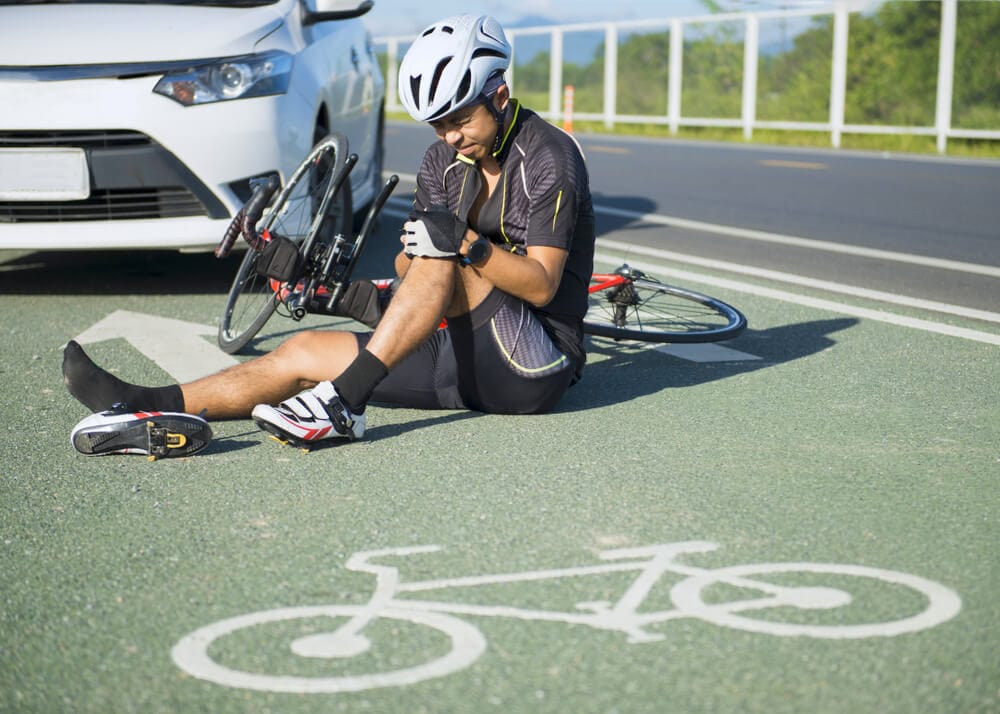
533, 277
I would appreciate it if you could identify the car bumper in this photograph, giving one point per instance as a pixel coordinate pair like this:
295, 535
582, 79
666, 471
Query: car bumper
162, 175
195, 233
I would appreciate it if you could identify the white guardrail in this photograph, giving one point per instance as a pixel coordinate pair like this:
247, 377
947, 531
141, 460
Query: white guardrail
674, 117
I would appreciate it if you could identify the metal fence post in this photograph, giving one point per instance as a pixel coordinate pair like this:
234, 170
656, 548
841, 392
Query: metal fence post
555, 74
838, 79
619, 34
675, 74
610, 75
946, 73
751, 44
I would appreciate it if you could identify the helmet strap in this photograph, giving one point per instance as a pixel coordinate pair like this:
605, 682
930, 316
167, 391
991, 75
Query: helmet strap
501, 118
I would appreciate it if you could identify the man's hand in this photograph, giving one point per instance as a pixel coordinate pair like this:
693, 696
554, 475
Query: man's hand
434, 233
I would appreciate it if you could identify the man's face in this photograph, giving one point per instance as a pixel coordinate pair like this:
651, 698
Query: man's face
471, 131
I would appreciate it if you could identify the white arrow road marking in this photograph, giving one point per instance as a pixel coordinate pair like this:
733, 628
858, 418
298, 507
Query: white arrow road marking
706, 352
175, 346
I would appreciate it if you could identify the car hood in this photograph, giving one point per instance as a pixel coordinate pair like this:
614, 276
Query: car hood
86, 34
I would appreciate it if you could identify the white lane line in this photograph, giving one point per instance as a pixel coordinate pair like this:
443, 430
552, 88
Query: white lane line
810, 243
826, 285
796, 299
780, 239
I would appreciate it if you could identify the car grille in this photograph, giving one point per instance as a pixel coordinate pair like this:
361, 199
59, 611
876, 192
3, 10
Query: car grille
175, 194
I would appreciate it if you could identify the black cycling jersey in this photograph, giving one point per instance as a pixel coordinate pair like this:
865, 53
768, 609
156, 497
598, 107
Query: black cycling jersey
542, 198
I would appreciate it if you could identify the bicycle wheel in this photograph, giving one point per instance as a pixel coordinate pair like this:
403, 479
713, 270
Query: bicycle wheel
304, 212
191, 654
642, 308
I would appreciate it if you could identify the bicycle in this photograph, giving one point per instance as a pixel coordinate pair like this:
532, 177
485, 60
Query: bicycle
690, 597
303, 250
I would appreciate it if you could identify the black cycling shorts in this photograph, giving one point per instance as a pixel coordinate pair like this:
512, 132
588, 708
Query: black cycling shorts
497, 359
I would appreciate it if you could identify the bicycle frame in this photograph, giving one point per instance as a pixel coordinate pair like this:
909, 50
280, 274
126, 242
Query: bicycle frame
605, 281
634, 307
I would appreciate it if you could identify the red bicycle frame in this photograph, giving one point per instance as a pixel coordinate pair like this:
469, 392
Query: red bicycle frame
603, 281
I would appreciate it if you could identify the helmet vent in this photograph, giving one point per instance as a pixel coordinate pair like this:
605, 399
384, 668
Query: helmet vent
463, 87
415, 88
436, 80
491, 36
488, 52
440, 112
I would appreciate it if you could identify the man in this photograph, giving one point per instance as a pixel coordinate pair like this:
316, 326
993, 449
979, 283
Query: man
500, 242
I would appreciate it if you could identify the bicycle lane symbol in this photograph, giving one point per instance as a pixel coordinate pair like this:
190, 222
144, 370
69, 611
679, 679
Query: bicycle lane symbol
466, 642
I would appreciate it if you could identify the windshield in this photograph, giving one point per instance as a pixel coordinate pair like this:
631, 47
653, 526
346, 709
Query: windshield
212, 3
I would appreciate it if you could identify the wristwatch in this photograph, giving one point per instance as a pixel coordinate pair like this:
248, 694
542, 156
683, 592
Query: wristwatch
478, 250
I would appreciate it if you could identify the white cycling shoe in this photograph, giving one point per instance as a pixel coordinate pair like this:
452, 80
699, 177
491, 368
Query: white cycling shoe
158, 435
311, 416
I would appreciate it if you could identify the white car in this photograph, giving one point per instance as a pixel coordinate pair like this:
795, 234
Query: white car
139, 124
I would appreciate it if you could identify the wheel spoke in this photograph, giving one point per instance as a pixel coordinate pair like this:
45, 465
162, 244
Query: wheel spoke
644, 309
292, 216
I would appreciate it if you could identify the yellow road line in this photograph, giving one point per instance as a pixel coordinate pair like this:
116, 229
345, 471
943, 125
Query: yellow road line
608, 150
782, 164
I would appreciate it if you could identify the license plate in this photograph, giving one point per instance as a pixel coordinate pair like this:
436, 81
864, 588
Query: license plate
44, 174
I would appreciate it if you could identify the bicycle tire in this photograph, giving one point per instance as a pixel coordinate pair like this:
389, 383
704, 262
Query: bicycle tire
294, 214
647, 310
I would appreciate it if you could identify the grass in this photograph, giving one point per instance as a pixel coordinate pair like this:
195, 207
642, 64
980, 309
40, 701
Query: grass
892, 143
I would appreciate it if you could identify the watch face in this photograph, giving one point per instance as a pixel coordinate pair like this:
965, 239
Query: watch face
478, 250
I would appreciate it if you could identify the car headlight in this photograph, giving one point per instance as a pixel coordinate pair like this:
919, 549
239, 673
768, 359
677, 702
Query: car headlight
231, 78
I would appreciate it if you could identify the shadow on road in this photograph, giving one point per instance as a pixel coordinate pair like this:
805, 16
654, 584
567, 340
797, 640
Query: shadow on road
628, 370
116, 272
153, 272
631, 370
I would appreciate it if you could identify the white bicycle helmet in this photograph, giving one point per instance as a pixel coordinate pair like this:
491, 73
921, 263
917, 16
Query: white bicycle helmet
448, 65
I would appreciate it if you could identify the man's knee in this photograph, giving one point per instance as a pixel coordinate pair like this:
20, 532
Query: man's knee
299, 345
315, 355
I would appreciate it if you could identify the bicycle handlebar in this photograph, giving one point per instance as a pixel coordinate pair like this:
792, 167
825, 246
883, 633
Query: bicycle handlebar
245, 221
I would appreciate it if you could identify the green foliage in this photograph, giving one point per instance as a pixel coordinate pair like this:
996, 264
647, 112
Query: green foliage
713, 76
795, 85
892, 65
977, 66
643, 69
891, 71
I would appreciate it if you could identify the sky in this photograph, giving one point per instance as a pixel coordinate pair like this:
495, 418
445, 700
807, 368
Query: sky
405, 17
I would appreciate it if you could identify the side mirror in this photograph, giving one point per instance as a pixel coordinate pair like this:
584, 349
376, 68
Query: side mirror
327, 10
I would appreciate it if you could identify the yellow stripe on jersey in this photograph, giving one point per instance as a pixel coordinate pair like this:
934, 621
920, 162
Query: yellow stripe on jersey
510, 357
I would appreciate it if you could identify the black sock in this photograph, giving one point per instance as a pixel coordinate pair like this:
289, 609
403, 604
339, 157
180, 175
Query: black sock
356, 384
98, 390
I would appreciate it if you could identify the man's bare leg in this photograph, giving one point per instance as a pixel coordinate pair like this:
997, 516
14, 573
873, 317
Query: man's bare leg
431, 289
299, 363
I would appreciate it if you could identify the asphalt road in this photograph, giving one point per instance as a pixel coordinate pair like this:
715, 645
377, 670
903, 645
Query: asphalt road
911, 209
805, 520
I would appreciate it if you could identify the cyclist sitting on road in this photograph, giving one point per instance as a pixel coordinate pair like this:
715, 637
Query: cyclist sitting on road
500, 241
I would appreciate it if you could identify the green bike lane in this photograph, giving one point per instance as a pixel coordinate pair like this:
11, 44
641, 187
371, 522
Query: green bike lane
824, 437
